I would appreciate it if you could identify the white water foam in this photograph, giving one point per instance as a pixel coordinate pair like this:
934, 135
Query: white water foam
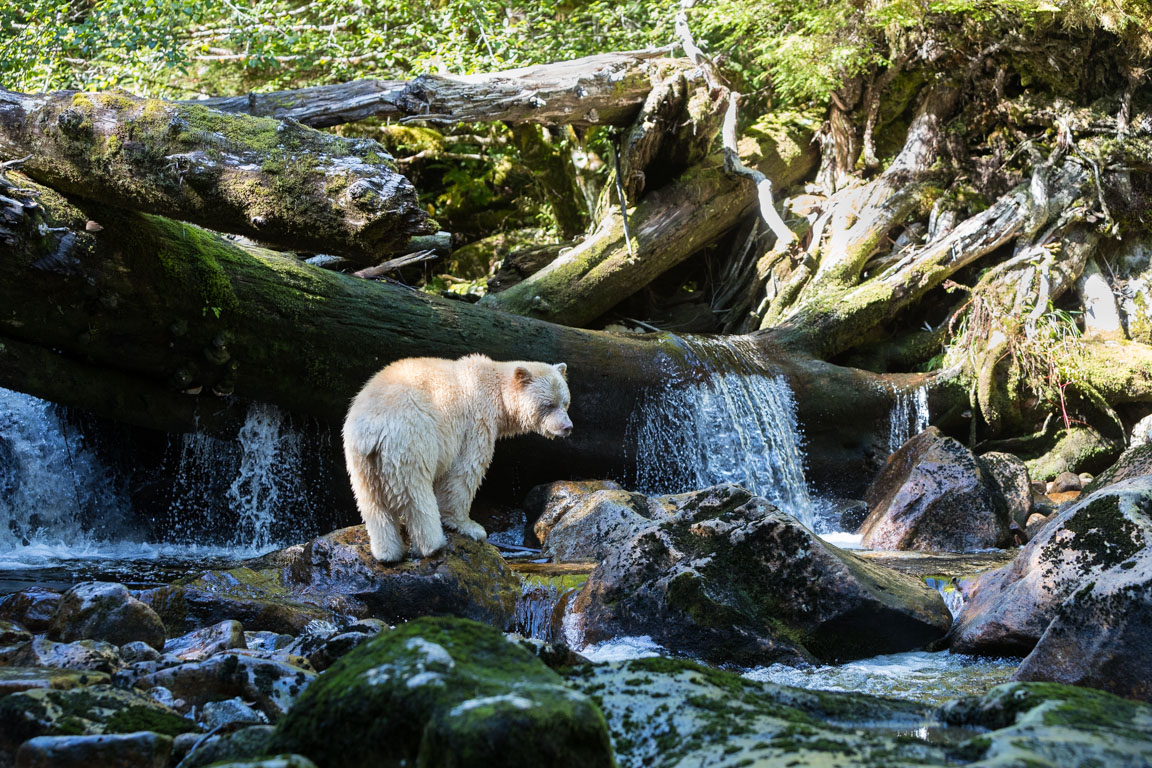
54, 491
916, 675
727, 428
623, 649
909, 416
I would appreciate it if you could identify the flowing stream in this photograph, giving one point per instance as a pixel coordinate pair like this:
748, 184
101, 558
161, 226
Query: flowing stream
909, 416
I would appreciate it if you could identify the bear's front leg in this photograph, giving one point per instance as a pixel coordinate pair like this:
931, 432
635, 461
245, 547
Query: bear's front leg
454, 494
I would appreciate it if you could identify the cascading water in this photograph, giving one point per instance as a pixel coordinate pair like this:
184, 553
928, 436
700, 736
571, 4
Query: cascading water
54, 492
737, 426
247, 493
909, 416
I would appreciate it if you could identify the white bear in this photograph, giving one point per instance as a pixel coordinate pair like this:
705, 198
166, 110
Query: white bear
420, 435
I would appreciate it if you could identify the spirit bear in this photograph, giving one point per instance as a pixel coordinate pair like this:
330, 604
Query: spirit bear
420, 435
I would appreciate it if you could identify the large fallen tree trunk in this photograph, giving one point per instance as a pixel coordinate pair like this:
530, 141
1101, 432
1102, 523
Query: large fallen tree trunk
280, 183
125, 320
606, 89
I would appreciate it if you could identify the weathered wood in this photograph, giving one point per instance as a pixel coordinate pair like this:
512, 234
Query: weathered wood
667, 226
606, 89
280, 183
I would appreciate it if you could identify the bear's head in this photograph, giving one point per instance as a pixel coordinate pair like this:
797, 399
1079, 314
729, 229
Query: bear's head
540, 398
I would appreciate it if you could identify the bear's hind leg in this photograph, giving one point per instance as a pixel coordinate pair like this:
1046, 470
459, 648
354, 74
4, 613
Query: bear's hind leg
384, 535
422, 519
454, 494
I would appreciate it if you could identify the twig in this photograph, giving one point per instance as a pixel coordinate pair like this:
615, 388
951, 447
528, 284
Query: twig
393, 264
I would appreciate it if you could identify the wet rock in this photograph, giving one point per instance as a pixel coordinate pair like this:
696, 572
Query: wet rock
547, 503
674, 712
12, 638
216, 714
84, 711
129, 750
85, 654
436, 689
1134, 462
137, 650
1142, 431
16, 679
267, 641
99, 610
271, 685
1064, 482
1101, 540
322, 649
731, 579
202, 643
1034, 724
31, 608
336, 576
1010, 476
932, 495
589, 526
162, 695
241, 744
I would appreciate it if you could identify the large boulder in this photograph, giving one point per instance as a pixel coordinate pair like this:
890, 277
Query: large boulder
1010, 476
731, 579
1083, 585
589, 526
202, 643
83, 654
98, 610
335, 576
546, 504
443, 692
933, 495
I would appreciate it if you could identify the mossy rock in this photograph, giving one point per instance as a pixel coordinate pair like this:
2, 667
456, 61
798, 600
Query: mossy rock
1034, 724
443, 692
1080, 449
92, 710
1134, 462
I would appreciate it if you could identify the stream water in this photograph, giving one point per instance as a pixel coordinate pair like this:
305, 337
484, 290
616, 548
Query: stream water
66, 512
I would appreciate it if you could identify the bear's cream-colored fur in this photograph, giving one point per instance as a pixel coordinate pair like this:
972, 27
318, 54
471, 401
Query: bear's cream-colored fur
420, 435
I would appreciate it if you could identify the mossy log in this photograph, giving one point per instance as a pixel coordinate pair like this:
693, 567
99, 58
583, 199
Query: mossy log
667, 226
605, 89
276, 182
144, 320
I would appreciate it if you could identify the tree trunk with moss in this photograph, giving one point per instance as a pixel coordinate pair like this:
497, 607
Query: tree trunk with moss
279, 183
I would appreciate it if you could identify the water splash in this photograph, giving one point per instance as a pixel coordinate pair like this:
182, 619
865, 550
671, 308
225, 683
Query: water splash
736, 424
249, 491
54, 490
909, 416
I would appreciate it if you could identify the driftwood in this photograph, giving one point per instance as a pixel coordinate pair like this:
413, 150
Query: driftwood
606, 89
279, 183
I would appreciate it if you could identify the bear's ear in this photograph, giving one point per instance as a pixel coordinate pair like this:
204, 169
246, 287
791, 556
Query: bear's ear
522, 376
562, 368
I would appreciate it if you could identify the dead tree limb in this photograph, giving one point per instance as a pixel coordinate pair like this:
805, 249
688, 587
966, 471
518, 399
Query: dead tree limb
280, 183
606, 89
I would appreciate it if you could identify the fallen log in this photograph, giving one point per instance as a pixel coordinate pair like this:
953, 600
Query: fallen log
606, 89
276, 182
125, 320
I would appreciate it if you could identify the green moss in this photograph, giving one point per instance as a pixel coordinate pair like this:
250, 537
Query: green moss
1103, 536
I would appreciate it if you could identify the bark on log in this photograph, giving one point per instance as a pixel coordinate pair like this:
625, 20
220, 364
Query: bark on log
667, 226
123, 320
606, 89
279, 183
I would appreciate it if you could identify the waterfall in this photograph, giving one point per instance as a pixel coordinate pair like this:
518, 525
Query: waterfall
54, 490
909, 416
729, 427
249, 491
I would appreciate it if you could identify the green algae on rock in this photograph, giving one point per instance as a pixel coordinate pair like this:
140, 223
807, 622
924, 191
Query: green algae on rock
443, 692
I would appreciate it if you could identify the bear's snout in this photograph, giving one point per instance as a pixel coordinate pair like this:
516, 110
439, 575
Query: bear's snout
565, 431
